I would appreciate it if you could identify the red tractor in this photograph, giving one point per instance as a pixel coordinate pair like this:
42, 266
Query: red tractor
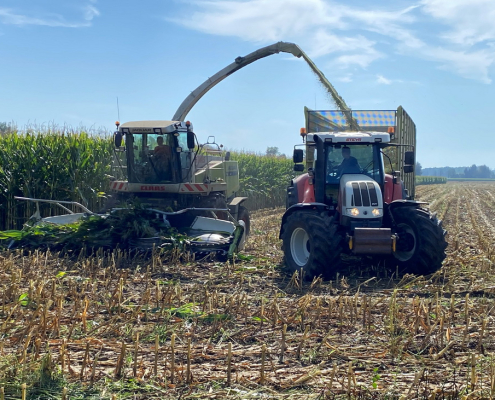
347, 203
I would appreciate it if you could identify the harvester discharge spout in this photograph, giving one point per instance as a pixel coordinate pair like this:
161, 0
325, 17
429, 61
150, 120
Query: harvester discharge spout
241, 62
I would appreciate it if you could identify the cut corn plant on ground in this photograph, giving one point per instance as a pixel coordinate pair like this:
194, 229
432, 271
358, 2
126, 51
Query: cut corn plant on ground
118, 325
133, 228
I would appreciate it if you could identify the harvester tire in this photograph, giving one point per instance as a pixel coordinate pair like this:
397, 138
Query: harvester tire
311, 242
421, 246
243, 215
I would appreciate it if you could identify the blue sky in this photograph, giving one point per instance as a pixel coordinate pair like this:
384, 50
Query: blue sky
66, 62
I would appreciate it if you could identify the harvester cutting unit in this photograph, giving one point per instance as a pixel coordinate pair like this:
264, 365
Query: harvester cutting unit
352, 198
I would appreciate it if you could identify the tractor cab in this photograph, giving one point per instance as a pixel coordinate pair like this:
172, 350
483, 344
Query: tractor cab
348, 158
349, 176
156, 151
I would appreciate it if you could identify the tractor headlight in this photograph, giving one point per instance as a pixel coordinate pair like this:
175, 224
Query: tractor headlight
353, 212
376, 212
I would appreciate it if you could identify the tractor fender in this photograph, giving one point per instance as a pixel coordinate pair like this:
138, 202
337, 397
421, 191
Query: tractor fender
299, 207
237, 201
234, 204
390, 207
405, 203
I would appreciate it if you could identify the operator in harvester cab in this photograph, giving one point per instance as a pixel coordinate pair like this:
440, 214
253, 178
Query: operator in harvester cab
349, 164
161, 149
162, 157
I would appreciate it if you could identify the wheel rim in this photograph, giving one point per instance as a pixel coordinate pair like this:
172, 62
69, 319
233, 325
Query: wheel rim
300, 246
406, 245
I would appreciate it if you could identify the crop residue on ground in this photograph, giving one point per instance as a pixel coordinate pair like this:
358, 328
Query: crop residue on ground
116, 324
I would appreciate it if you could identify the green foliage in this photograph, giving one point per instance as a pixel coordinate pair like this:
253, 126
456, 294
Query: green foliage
43, 380
263, 179
376, 378
24, 299
430, 180
59, 165
93, 231
418, 169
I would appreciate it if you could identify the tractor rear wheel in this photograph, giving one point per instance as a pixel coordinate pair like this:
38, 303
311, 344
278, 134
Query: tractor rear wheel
311, 243
421, 245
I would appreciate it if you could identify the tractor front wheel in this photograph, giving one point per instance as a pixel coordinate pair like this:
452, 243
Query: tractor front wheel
421, 243
311, 243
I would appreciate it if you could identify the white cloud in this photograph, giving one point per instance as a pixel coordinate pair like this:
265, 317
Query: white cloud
382, 80
11, 17
356, 37
348, 50
346, 78
261, 20
473, 64
470, 22
311, 24
90, 12
469, 47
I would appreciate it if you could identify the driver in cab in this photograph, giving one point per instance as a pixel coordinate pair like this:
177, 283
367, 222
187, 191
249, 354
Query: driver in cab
349, 164
162, 157
161, 150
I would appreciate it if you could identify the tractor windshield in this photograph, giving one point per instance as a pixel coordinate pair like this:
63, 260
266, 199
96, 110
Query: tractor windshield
353, 159
153, 158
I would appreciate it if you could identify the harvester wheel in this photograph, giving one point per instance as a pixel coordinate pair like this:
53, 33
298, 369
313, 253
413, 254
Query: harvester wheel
421, 245
311, 243
112, 201
243, 215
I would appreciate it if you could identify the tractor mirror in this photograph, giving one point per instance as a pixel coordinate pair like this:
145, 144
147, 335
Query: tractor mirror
409, 158
118, 139
298, 156
190, 140
227, 156
408, 169
298, 167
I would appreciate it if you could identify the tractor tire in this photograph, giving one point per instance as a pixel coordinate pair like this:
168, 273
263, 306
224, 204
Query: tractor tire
421, 246
243, 215
311, 242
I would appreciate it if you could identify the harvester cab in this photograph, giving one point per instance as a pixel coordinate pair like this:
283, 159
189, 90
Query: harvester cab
353, 200
156, 151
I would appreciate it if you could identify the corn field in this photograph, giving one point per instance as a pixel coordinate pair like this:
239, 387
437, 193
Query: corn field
53, 165
73, 166
430, 180
263, 179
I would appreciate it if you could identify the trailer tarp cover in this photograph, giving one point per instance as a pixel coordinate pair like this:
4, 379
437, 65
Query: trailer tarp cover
369, 120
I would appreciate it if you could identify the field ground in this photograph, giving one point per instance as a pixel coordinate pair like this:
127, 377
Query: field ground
117, 326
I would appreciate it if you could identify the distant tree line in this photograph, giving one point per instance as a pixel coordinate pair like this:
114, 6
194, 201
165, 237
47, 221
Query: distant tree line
5, 127
472, 172
430, 180
272, 151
